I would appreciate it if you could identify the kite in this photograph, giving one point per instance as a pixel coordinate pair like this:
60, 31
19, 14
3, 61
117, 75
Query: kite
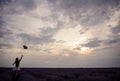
25, 47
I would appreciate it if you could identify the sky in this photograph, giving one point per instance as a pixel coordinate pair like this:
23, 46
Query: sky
60, 33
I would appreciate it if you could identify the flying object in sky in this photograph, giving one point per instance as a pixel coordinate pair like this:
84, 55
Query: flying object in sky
25, 47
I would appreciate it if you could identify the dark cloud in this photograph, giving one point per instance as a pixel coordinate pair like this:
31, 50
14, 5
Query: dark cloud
5, 45
45, 36
5, 1
79, 3
83, 30
95, 11
27, 4
77, 48
92, 43
98, 17
49, 31
1, 21
114, 39
3, 30
116, 29
10, 7
36, 40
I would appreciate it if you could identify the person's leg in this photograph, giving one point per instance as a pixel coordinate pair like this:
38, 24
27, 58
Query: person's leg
17, 73
14, 76
18, 68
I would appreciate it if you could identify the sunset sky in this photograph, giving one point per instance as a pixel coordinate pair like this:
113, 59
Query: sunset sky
60, 33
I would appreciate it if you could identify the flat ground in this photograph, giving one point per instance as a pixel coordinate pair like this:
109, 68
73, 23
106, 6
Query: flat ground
62, 74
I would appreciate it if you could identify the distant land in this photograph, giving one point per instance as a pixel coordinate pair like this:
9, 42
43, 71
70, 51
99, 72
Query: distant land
62, 74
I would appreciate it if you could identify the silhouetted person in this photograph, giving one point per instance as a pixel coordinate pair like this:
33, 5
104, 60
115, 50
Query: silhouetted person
17, 62
16, 69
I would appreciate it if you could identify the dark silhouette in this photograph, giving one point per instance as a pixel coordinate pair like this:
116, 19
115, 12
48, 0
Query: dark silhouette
17, 62
25, 47
16, 68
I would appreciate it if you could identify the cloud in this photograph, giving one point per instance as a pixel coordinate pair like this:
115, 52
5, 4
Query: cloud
4, 45
27, 4
55, 27
49, 31
79, 3
1, 26
3, 30
113, 39
77, 48
36, 40
116, 29
92, 43
10, 7
96, 12
5, 1
45, 36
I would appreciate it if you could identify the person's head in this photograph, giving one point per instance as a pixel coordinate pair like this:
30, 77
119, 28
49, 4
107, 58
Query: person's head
16, 59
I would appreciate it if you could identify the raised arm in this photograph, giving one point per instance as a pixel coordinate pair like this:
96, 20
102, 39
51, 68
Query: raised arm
21, 57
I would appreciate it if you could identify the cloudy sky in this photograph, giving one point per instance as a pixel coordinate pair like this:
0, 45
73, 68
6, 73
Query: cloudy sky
60, 33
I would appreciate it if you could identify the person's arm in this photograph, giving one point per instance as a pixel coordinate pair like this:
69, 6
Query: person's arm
13, 63
21, 58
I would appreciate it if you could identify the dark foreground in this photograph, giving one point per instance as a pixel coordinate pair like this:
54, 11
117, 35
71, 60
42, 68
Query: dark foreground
63, 74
